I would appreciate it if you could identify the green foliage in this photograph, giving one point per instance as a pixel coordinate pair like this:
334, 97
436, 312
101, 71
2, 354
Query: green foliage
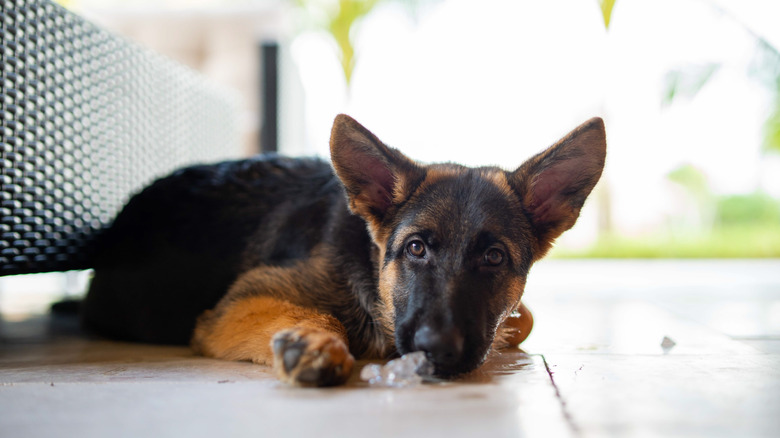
339, 18
606, 11
736, 241
765, 68
746, 226
692, 179
340, 26
754, 209
765, 64
772, 126
686, 81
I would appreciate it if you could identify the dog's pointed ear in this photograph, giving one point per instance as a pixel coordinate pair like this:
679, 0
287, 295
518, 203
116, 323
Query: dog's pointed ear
553, 184
375, 176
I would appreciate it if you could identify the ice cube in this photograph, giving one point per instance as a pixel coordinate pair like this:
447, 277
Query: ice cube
408, 370
371, 373
667, 344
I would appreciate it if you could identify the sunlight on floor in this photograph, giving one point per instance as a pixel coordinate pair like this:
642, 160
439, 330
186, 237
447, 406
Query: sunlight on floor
593, 366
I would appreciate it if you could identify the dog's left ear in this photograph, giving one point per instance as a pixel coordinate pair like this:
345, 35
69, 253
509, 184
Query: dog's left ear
554, 184
374, 175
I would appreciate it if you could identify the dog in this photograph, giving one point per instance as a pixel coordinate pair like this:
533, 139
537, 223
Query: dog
304, 265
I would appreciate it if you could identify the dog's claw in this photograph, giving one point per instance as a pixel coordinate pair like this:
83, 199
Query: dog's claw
306, 357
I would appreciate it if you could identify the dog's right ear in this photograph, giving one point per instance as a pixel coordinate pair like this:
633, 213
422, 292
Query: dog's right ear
554, 183
375, 176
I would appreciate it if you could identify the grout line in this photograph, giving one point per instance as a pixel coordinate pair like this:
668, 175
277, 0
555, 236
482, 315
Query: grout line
564, 409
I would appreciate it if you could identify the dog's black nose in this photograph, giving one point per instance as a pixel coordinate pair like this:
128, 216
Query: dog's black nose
443, 347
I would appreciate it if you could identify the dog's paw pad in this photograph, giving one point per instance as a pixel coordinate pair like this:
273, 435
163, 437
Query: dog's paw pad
306, 357
291, 354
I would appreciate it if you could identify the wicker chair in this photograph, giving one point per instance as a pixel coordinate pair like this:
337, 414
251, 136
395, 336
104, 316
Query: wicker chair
89, 118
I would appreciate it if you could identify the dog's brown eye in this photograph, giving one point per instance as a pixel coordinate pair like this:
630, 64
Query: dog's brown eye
494, 257
416, 248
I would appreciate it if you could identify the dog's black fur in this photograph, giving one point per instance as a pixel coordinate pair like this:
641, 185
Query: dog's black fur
177, 246
377, 253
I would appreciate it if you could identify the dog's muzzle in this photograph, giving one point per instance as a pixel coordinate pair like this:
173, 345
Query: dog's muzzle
443, 347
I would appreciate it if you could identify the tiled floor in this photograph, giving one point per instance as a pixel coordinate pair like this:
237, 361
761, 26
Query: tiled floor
594, 367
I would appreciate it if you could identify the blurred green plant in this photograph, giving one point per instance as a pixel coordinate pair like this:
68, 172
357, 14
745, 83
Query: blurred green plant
757, 208
772, 127
744, 226
765, 67
686, 82
339, 18
732, 241
741, 225
732, 226
694, 184
606, 10
692, 180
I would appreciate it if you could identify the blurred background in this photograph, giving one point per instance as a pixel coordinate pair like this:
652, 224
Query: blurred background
689, 90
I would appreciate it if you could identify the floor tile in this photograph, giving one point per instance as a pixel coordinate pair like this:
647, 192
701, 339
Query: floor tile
769, 345
592, 367
670, 396
98, 388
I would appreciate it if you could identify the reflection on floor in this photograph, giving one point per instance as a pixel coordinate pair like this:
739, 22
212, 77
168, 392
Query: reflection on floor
594, 366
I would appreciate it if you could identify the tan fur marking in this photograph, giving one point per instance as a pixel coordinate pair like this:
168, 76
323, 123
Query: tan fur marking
387, 280
379, 235
516, 323
438, 172
515, 290
246, 326
284, 281
498, 178
400, 189
515, 328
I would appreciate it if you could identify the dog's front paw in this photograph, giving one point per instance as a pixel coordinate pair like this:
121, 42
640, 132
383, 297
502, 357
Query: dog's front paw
308, 357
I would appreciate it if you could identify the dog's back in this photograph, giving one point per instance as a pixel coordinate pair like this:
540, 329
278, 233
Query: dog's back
283, 263
177, 246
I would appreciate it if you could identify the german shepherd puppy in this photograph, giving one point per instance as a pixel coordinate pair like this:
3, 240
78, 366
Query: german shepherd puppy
303, 266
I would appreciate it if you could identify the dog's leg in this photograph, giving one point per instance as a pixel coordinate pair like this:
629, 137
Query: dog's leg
516, 327
304, 346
